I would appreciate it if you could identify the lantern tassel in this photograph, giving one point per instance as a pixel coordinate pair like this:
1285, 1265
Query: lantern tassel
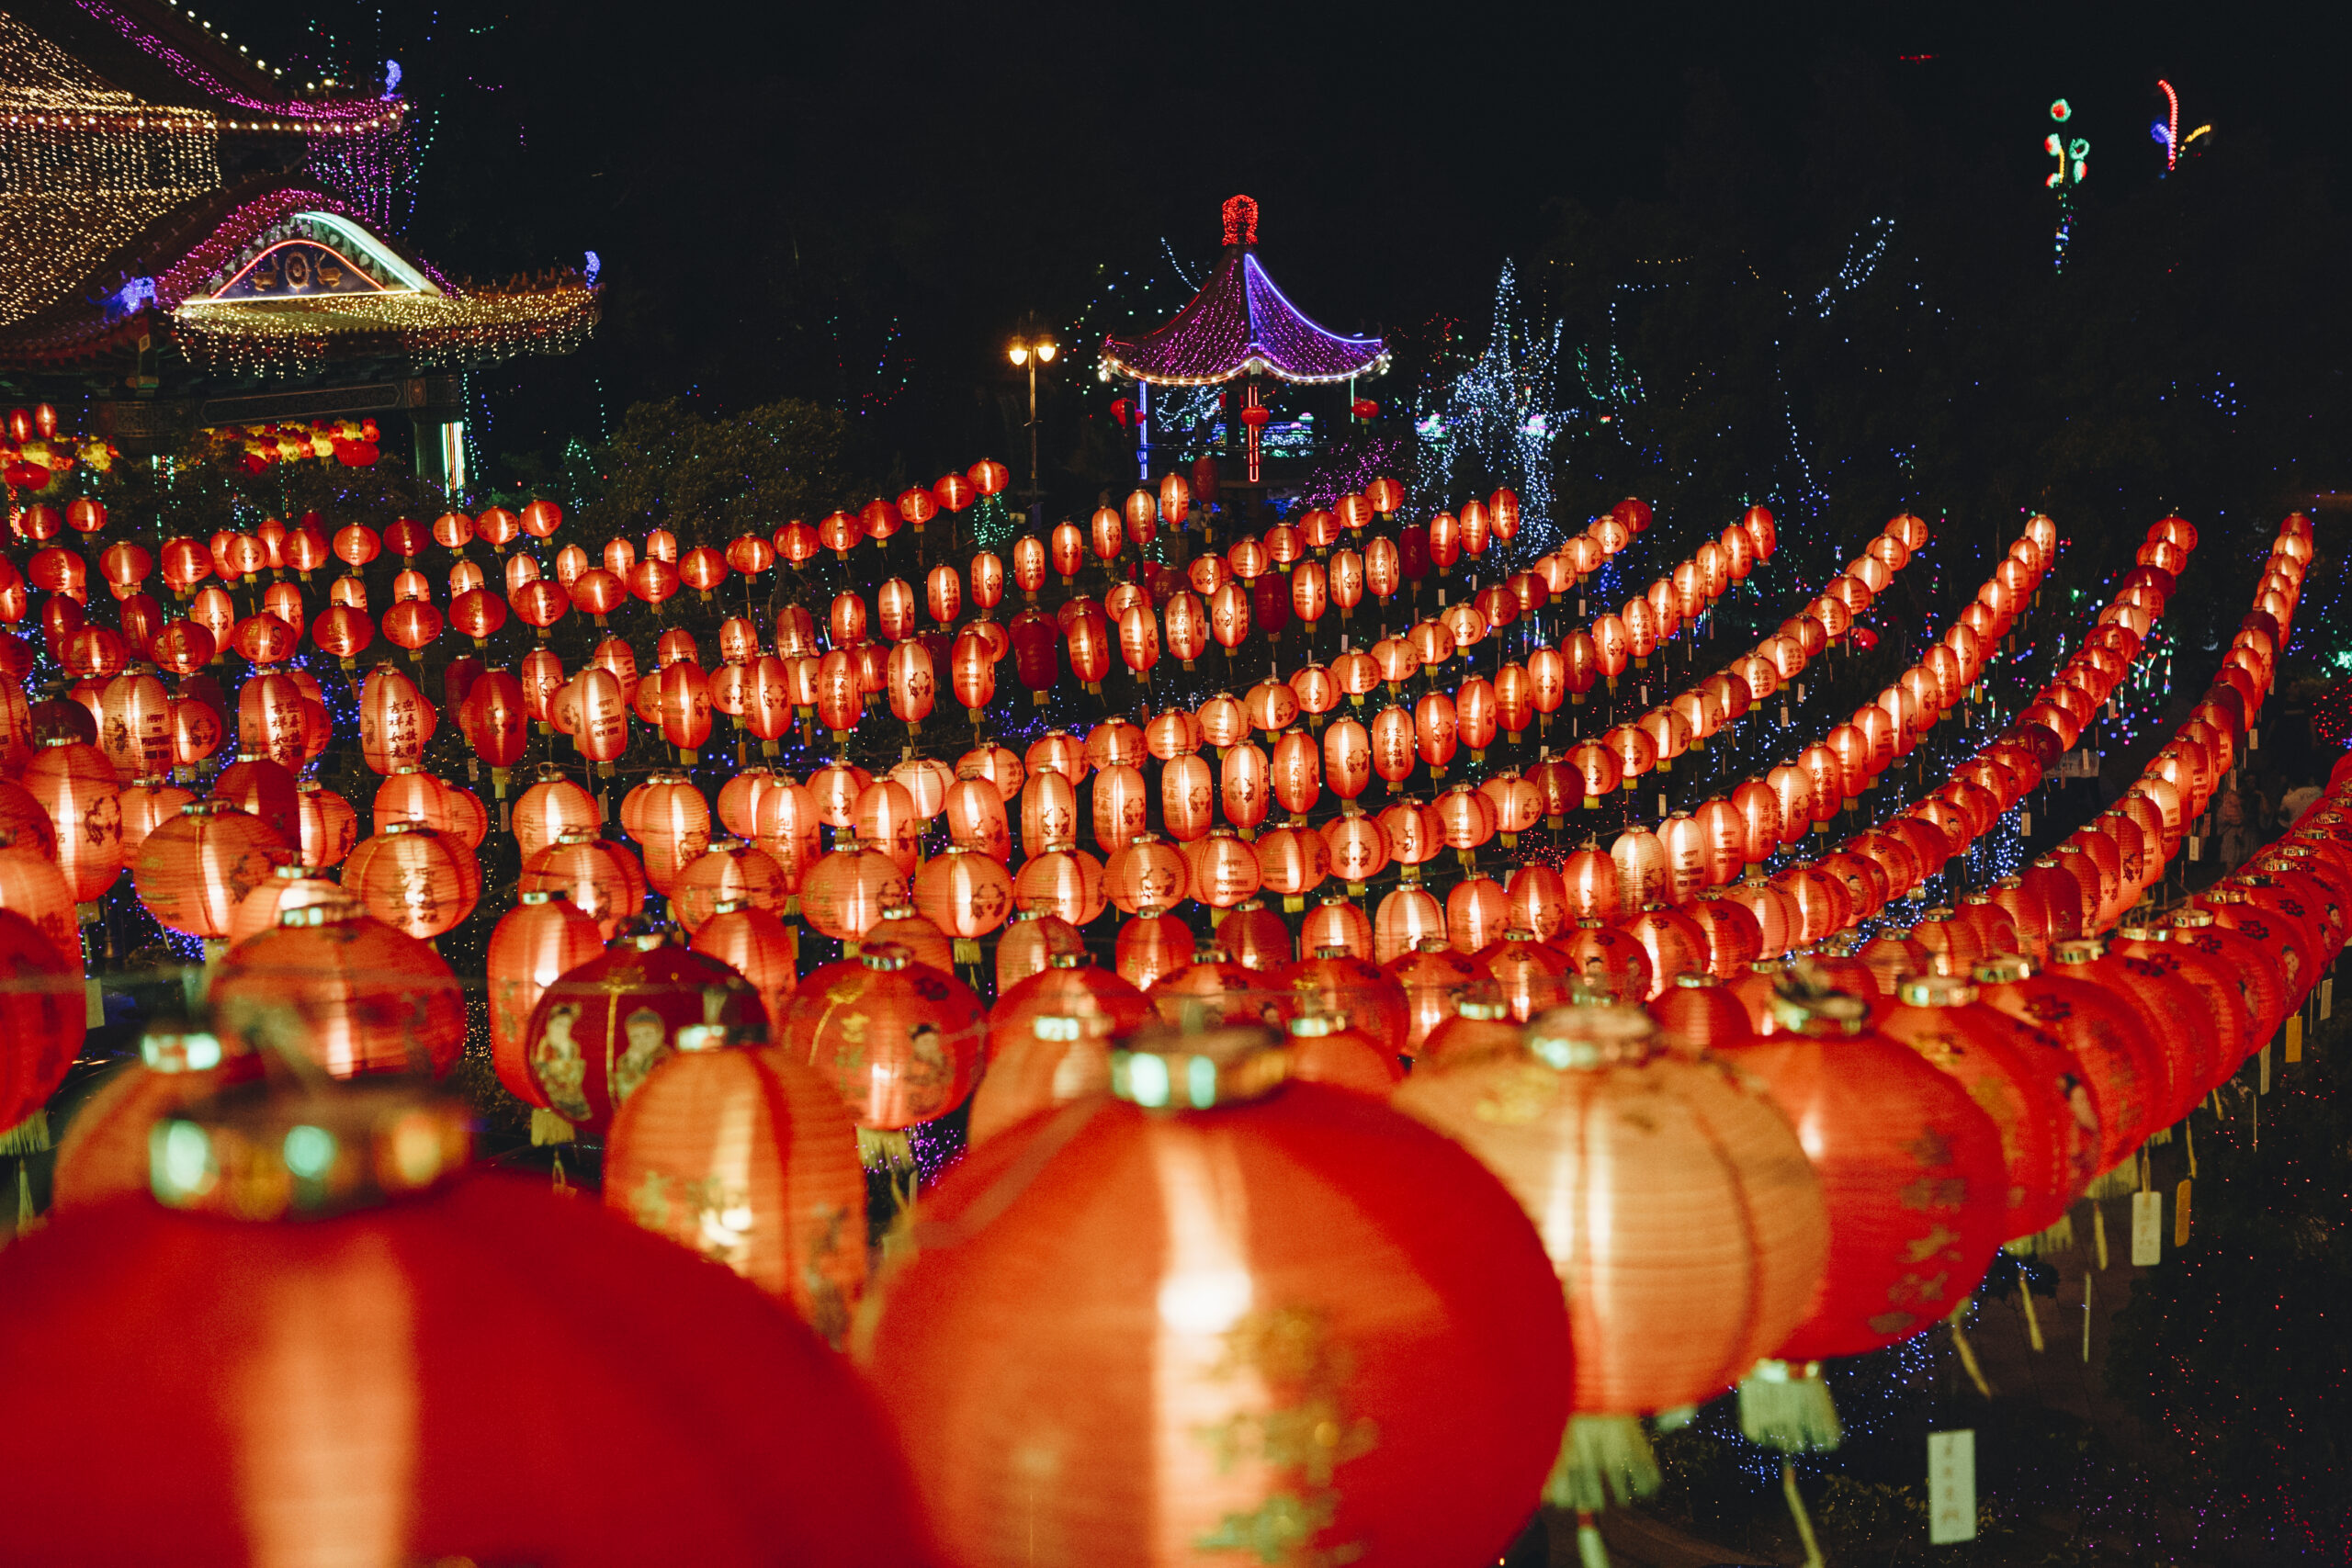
547, 1127
2098, 1235
1787, 1406
29, 1218
1603, 1459
2033, 1321
1967, 1351
557, 1179
885, 1148
1796, 1512
1591, 1550
2049, 1243
30, 1137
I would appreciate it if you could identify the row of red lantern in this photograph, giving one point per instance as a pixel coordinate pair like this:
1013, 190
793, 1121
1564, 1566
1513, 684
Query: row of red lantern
1810, 788
1920, 841
1037, 642
1875, 1091
597, 590
2177, 785
396, 720
1893, 724
234, 557
1709, 846
271, 634
1233, 596
1035, 639
594, 589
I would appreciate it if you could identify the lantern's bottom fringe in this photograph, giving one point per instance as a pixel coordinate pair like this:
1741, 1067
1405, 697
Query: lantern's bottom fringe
1786, 1405
30, 1137
547, 1127
2058, 1238
2124, 1179
1603, 1459
1591, 1550
881, 1148
27, 1218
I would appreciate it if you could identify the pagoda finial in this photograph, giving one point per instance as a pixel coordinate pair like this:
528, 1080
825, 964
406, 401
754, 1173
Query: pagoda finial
1240, 220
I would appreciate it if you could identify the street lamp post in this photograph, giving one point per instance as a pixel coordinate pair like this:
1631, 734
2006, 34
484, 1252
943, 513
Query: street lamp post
1031, 353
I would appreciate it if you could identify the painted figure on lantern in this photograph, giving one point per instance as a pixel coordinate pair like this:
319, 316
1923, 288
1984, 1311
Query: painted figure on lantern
649, 1047
556, 1063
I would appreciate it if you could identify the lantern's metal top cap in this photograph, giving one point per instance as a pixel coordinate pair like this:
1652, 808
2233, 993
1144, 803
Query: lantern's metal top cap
1175, 1069
1806, 1002
1575, 1039
335, 910
1934, 991
264, 1151
2003, 968
180, 1048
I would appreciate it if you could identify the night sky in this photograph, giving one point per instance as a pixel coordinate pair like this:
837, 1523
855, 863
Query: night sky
859, 203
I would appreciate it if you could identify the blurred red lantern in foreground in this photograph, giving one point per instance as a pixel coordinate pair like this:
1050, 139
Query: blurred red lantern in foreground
335, 1233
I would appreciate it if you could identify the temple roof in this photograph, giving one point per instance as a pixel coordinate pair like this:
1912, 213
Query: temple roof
271, 280
1240, 324
163, 197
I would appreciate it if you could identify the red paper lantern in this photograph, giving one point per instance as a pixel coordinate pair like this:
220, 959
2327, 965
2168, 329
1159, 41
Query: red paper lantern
1910, 1170
365, 1268
1677, 1170
75, 785
1172, 1271
355, 995
602, 880
900, 1040
2024, 1080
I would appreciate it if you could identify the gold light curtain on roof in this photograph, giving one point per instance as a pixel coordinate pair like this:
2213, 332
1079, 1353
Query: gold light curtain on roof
253, 335
84, 167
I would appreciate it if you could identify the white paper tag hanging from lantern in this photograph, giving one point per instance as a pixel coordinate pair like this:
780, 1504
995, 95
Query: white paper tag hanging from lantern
1951, 1487
2147, 1229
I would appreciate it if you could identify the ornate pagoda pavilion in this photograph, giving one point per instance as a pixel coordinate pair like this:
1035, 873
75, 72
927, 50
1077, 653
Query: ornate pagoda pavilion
1240, 327
187, 242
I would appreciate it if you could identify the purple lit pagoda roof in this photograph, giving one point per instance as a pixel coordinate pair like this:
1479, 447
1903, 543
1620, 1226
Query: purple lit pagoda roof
1240, 324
